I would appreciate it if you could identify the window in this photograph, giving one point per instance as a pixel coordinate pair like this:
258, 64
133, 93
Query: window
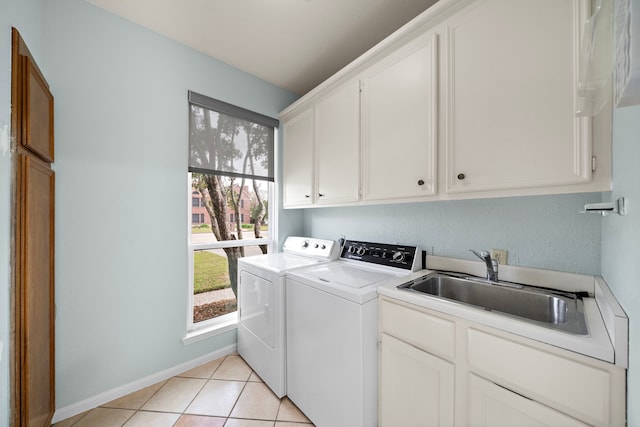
195, 202
230, 172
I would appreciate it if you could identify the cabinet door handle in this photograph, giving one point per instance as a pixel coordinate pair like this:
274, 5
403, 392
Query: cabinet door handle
320, 194
461, 176
306, 196
420, 182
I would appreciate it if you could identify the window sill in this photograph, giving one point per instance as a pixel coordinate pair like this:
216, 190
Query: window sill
212, 328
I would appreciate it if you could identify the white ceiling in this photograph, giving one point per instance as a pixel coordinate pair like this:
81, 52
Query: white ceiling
294, 44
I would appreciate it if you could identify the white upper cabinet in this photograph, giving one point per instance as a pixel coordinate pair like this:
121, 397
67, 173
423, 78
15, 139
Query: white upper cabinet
337, 145
399, 122
297, 160
321, 151
510, 97
473, 98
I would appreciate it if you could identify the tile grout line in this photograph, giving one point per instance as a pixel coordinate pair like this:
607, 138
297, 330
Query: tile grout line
206, 381
145, 402
139, 409
183, 412
237, 399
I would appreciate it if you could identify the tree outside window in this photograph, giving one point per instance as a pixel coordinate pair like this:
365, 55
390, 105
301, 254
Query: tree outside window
230, 160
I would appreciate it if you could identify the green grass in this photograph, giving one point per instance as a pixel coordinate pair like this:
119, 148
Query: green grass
202, 228
210, 272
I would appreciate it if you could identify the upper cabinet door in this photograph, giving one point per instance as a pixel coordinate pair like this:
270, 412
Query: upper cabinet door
399, 102
38, 117
31, 102
510, 97
297, 160
337, 145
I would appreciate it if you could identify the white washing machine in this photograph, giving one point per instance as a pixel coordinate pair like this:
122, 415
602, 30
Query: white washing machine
261, 304
332, 332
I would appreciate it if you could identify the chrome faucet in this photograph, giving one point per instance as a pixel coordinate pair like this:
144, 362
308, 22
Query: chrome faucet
492, 264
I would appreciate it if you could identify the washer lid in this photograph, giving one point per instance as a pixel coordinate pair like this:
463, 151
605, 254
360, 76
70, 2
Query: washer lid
346, 275
280, 262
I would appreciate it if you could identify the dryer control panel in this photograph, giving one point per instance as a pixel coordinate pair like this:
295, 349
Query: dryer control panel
397, 256
307, 246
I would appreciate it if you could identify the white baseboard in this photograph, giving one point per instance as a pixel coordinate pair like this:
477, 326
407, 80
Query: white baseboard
109, 395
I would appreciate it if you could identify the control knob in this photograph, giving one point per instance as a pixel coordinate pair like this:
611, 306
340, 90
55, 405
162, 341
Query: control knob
305, 244
352, 249
398, 256
361, 251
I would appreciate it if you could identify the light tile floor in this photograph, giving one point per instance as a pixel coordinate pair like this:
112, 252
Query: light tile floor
225, 392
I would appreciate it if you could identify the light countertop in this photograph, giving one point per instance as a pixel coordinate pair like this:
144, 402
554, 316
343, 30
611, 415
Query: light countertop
597, 344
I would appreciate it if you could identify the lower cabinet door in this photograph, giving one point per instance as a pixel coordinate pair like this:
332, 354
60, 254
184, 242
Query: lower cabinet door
416, 388
493, 406
35, 293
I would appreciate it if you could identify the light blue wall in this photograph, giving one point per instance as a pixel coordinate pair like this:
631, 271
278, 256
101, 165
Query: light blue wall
543, 231
621, 242
121, 129
28, 17
121, 216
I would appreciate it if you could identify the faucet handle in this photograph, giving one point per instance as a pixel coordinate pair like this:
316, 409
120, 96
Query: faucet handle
483, 255
492, 264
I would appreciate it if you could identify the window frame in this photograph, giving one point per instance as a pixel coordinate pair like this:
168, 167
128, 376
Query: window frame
196, 332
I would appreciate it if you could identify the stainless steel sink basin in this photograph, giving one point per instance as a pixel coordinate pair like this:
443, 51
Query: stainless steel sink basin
563, 311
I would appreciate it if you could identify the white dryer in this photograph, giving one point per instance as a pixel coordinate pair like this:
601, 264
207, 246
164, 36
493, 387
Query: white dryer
261, 304
332, 332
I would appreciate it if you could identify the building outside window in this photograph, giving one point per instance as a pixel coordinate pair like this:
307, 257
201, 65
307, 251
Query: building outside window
231, 175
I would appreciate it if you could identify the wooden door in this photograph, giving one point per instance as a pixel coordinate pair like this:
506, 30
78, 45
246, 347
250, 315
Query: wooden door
37, 113
35, 314
33, 377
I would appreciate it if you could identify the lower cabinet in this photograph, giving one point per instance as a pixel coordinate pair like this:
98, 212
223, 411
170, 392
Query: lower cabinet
417, 388
442, 370
490, 405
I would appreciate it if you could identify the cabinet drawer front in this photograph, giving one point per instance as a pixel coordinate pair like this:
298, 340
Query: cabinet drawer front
430, 333
574, 388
